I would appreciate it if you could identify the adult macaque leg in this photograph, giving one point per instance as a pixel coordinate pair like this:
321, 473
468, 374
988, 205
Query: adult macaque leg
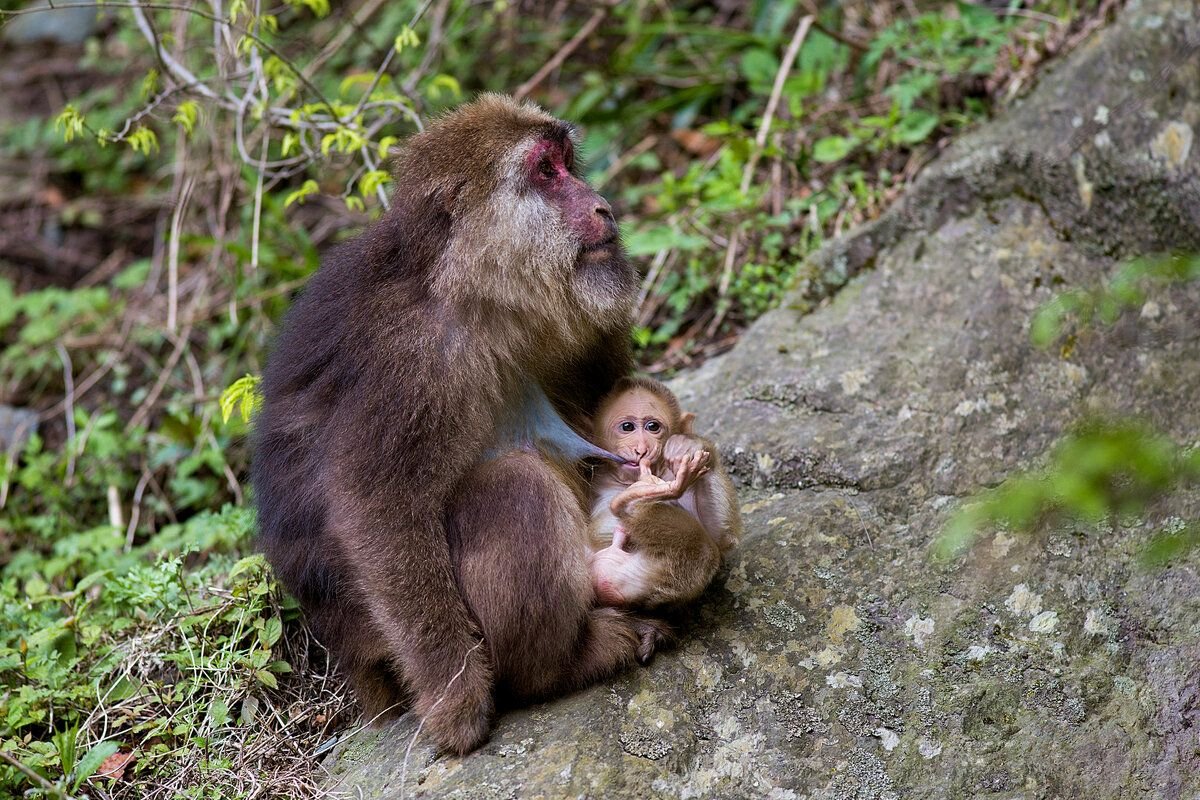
365, 660
417, 615
518, 542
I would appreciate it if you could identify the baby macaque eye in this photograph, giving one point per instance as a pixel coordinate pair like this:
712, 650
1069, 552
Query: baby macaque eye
654, 426
628, 427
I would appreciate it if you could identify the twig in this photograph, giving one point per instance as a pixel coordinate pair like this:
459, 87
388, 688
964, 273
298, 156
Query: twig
166, 59
181, 72
726, 279
437, 33
785, 67
563, 52
364, 13
181, 202
626, 157
84, 385
849, 41
116, 517
258, 198
143, 411
38, 780
1029, 14
135, 508
69, 409
387, 60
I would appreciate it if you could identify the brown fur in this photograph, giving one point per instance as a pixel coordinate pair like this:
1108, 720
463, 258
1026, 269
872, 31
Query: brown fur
382, 396
674, 538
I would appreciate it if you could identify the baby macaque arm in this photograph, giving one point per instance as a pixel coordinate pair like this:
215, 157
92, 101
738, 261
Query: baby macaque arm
652, 489
711, 498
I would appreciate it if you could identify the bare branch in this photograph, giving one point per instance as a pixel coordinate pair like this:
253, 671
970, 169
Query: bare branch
558, 58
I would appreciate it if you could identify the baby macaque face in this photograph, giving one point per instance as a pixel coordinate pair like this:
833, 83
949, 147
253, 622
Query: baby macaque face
635, 426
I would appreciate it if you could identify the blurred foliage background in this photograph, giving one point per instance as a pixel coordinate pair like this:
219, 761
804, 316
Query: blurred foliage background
170, 172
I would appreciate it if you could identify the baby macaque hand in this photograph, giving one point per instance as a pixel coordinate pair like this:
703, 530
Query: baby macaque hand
646, 476
649, 488
688, 469
682, 451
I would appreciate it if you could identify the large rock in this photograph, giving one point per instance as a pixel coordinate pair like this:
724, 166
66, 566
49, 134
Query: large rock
834, 658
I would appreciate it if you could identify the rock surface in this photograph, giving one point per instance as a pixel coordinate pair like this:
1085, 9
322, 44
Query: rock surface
834, 658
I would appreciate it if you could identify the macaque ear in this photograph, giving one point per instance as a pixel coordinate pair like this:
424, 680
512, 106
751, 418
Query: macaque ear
685, 423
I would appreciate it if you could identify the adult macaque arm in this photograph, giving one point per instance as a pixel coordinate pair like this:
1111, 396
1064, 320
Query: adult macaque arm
532, 420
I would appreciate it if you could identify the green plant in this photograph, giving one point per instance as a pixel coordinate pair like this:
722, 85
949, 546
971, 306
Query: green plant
1101, 471
1127, 288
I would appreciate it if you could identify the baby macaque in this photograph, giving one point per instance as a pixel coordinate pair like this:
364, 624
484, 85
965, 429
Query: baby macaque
663, 518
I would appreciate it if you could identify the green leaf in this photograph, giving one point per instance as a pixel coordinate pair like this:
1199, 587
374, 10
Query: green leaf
149, 84
70, 121
406, 38
372, 180
1047, 323
65, 745
649, 241
1167, 546
242, 394
759, 67
832, 148
915, 127
186, 114
306, 190
272, 631
92, 760
143, 140
218, 714
441, 84
248, 564
266, 678
385, 145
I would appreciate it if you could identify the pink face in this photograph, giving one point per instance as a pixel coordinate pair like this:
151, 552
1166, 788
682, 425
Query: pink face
587, 214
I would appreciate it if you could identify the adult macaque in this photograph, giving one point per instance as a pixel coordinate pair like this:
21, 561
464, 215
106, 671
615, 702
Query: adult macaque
662, 519
390, 499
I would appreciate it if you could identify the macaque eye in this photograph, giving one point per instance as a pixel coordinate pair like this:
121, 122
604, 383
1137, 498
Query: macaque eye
628, 427
546, 168
654, 426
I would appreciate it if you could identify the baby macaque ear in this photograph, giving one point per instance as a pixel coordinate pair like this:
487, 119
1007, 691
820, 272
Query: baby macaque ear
685, 423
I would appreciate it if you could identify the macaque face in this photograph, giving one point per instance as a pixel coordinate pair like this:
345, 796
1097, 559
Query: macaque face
600, 275
635, 426
587, 215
